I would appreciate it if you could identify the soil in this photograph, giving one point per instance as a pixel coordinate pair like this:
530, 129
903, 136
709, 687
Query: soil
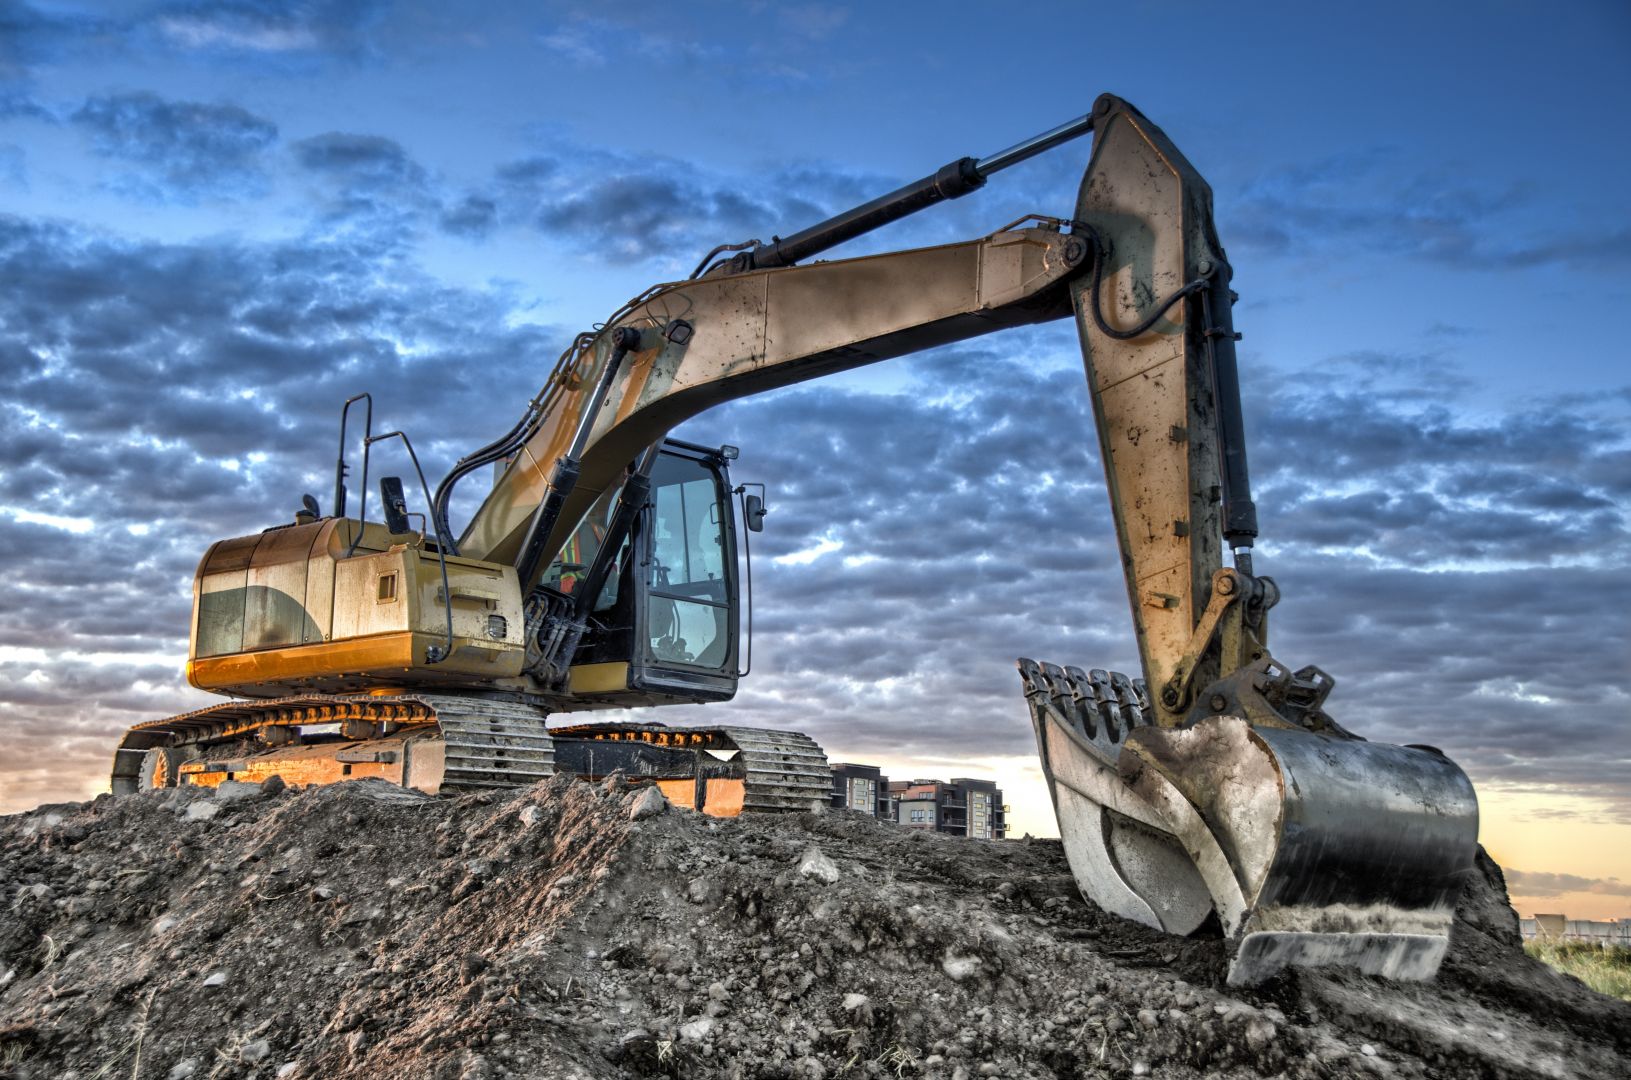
577, 931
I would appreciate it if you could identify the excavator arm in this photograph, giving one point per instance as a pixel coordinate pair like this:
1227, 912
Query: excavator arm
1210, 787
685, 347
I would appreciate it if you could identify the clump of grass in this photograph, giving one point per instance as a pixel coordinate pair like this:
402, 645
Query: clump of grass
1604, 968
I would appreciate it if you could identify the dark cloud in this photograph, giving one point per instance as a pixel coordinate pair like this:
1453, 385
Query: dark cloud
473, 217
1367, 202
1535, 883
372, 182
628, 209
181, 150
30, 36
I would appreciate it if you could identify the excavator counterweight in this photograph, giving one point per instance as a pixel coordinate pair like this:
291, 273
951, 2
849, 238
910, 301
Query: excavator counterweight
1210, 792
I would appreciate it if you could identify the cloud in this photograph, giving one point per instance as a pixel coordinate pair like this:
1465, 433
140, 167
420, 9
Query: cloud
31, 38
626, 209
593, 42
1452, 588
13, 165
179, 150
272, 29
1459, 574
1368, 201
1539, 883
814, 21
173, 394
372, 182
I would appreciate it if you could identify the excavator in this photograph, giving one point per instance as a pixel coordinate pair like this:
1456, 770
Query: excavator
1210, 793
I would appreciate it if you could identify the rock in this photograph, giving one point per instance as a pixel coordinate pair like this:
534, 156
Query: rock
252, 1052
230, 791
696, 1030
529, 815
1367, 1049
960, 967
272, 787
815, 864
163, 925
1141, 1068
1260, 1033
1148, 1018
649, 803
183, 1069
202, 810
288, 1067
855, 1001
700, 891
215, 978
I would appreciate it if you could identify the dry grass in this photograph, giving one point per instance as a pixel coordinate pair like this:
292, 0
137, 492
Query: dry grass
1604, 968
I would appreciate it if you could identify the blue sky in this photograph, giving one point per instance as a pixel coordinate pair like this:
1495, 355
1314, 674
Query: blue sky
217, 220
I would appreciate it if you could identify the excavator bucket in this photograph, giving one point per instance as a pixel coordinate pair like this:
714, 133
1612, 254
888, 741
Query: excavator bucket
1311, 849
1216, 786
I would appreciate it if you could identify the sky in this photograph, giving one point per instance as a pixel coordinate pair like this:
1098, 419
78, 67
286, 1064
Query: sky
219, 220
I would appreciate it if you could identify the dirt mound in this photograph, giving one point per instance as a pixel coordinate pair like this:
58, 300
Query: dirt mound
575, 931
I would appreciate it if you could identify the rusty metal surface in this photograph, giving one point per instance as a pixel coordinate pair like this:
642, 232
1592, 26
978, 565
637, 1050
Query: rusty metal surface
1152, 395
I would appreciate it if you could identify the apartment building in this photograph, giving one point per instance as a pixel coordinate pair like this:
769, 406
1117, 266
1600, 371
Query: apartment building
863, 788
962, 807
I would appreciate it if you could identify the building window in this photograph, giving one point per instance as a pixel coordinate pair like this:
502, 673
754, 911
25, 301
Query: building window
863, 795
919, 815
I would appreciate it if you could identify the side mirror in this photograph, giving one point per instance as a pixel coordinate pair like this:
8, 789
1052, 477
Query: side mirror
753, 510
396, 504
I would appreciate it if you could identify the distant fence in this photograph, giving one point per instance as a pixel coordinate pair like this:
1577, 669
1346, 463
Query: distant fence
1560, 928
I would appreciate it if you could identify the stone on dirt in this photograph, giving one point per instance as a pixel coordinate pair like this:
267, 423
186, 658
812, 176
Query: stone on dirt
815, 864
202, 810
649, 803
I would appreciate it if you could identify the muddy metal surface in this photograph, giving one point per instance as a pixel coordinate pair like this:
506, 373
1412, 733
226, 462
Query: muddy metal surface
575, 931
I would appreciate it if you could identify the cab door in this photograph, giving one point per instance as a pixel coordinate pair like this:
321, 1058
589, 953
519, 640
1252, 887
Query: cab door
688, 626
664, 628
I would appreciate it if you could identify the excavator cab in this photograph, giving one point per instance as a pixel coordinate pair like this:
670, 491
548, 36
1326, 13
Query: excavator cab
665, 625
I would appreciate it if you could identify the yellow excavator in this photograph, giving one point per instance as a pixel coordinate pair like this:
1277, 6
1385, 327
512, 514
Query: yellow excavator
602, 571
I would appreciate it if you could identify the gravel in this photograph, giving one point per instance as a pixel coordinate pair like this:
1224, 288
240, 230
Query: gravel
570, 931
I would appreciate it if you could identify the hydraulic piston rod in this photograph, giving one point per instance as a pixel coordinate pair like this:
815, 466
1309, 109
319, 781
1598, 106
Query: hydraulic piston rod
950, 181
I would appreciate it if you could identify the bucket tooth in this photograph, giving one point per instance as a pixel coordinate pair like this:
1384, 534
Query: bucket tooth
1121, 851
1312, 849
